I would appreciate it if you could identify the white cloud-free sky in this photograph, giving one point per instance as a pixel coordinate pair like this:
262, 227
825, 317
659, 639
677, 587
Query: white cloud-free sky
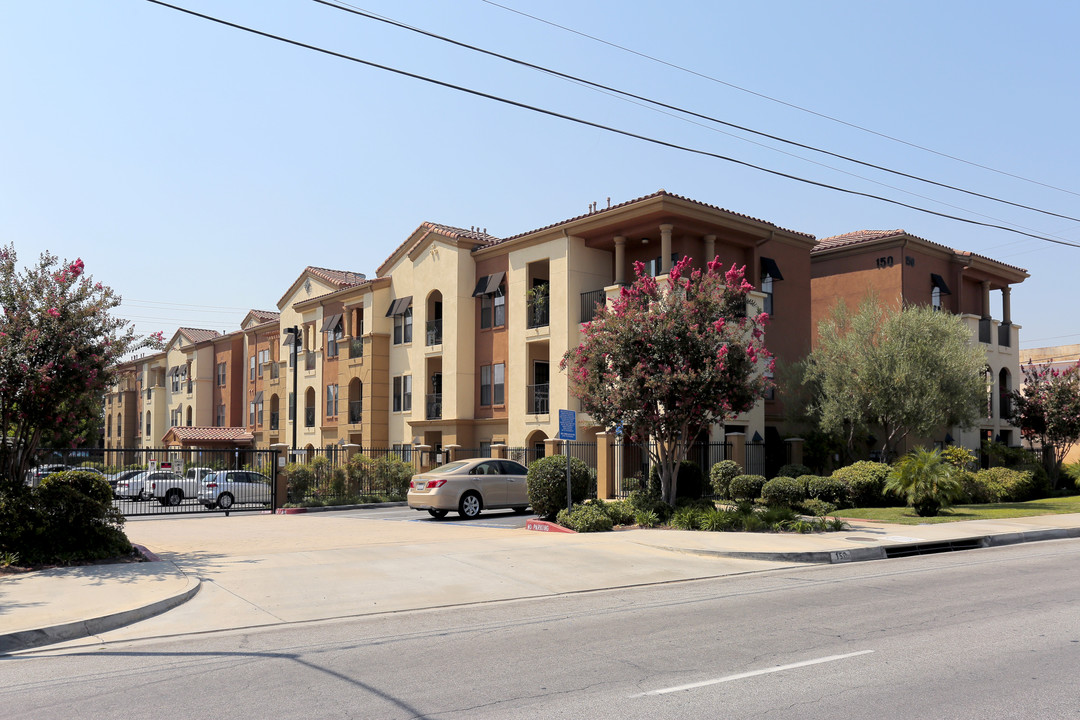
197, 169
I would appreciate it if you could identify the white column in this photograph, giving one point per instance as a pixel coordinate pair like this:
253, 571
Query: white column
665, 248
620, 259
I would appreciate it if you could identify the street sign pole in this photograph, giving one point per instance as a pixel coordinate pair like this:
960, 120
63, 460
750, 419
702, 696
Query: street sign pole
567, 432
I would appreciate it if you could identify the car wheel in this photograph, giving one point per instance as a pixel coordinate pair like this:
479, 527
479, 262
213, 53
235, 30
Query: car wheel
470, 506
438, 514
225, 501
174, 497
134, 498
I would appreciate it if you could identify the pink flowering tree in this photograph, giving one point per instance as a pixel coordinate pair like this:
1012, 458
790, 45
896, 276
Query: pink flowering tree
59, 344
1047, 411
667, 362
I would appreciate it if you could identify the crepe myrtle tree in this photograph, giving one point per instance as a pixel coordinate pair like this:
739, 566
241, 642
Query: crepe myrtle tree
1047, 411
59, 346
667, 362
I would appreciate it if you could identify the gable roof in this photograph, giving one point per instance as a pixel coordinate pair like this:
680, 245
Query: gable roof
425, 230
337, 279
209, 434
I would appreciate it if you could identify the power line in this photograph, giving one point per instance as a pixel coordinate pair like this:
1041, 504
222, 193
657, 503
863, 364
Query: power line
777, 100
346, 7
606, 128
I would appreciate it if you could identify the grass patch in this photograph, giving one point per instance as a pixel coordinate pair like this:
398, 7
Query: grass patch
993, 511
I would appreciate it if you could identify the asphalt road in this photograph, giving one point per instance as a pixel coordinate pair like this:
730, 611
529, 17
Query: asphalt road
990, 633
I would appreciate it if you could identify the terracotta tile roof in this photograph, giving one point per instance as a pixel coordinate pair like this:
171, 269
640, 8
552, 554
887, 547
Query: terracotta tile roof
211, 434
265, 315
477, 235
426, 228
865, 236
658, 193
198, 335
341, 278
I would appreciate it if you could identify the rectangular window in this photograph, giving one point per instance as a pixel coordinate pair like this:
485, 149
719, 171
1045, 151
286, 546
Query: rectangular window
767, 289
485, 385
499, 372
332, 338
406, 393
397, 394
331, 400
251, 413
485, 311
259, 412
403, 327
221, 415
500, 309
221, 372
251, 368
292, 407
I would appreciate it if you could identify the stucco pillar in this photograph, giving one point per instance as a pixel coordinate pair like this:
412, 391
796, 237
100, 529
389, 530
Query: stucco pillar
795, 451
710, 249
1006, 305
986, 299
451, 452
620, 259
498, 451
424, 453
605, 465
665, 248
738, 448
553, 446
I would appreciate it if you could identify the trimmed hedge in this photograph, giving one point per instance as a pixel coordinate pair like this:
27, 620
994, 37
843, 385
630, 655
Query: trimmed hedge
746, 487
720, 476
589, 517
792, 470
1006, 485
546, 483
783, 491
867, 482
829, 489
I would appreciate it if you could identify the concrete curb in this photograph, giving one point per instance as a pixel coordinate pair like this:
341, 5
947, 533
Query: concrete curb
29, 639
331, 508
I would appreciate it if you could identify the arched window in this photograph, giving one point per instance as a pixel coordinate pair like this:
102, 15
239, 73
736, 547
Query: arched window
309, 407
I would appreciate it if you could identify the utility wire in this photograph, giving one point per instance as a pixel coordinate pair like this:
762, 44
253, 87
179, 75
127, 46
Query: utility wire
777, 100
346, 7
606, 128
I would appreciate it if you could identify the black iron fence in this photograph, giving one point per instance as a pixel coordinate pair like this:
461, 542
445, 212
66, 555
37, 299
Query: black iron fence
339, 475
161, 481
589, 302
633, 464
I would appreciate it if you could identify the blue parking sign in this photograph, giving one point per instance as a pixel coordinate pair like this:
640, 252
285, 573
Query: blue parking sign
567, 425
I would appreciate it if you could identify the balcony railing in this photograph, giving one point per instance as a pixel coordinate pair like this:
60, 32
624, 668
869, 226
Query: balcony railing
356, 348
356, 411
309, 360
309, 417
589, 301
539, 314
434, 332
434, 406
1005, 334
536, 403
274, 421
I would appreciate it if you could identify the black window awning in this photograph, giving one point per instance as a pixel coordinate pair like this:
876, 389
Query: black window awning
939, 282
399, 306
489, 284
258, 397
332, 322
770, 268
290, 339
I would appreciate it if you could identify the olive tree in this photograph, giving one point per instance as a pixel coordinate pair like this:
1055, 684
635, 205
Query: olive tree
893, 373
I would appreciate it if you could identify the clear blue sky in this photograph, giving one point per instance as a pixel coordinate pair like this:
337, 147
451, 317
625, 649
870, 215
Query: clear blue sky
197, 169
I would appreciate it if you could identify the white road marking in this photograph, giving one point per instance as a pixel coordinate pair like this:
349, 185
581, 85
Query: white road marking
752, 673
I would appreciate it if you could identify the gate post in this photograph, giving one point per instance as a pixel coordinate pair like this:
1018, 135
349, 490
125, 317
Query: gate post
605, 466
738, 448
281, 488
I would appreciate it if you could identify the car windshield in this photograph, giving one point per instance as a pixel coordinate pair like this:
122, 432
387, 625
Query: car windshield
211, 477
448, 467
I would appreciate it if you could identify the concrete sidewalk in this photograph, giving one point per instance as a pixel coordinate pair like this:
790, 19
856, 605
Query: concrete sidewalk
217, 573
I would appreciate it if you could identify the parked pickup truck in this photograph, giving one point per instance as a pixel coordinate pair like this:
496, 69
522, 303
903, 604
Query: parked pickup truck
173, 491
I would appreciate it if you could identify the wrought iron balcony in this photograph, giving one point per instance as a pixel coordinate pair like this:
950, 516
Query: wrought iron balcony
434, 332
309, 417
536, 402
356, 348
434, 406
356, 411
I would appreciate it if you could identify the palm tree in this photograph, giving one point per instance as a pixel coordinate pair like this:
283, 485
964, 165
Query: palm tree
927, 480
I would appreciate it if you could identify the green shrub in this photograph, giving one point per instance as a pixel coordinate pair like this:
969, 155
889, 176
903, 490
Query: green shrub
546, 484
974, 490
1005, 485
820, 508
867, 482
925, 481
792, 470
646, 519
959, 457
620, 512
746, 487
830, 489
689, 484
778, 517
720, 476
716, 520
783, 491
686, 518
69, 517
388, 476
589, 517
299, 480
642, 501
